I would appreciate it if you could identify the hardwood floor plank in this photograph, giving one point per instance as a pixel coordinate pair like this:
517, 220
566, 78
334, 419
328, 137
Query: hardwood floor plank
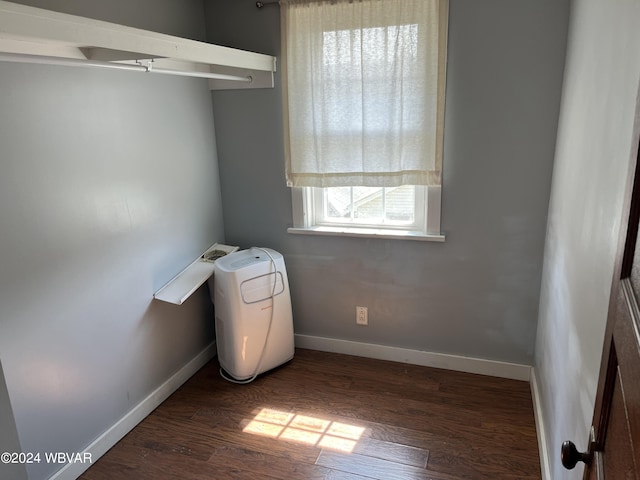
476, 466
229, 418
172, 437
393, 452
371, 467
130, 462
227, 424
256, 465
440, 421
220, 434
299, 422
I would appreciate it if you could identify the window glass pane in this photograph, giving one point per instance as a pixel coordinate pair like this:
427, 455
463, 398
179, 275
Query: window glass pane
337, 203
373, 206
368, 204
400, 204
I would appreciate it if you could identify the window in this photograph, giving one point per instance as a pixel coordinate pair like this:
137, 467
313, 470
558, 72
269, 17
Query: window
393, 207
408, 212
364, 108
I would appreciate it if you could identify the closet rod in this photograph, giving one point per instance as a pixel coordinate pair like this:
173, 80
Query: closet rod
77, 62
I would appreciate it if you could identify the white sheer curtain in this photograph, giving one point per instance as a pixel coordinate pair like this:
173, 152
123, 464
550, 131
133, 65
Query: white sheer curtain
363, 87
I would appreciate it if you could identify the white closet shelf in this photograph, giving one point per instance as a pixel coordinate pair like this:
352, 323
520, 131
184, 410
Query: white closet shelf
182, 286
36, 31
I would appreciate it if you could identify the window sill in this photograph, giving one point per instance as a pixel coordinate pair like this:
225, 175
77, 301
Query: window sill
367, 233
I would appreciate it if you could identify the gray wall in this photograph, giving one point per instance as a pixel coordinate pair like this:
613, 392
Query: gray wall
594, 148
108, 187
173, 17
9, 441
477, 294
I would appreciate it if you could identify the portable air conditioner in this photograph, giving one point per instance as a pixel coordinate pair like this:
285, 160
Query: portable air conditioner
253, 319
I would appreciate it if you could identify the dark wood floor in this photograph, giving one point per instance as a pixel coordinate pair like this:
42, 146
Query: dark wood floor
329, 416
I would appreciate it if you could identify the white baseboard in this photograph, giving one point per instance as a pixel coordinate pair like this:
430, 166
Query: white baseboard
138, 413
416, 357
545, 466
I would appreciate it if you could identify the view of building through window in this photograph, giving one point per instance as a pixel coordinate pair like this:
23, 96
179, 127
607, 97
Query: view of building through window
376, 205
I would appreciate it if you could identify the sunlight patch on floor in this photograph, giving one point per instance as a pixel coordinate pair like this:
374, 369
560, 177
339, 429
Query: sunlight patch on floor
305, 429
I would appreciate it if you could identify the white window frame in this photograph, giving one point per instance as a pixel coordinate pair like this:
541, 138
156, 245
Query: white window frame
305, 222
419, 203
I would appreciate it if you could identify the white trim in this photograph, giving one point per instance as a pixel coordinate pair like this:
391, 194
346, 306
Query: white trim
300, 205
545, 465
434, 209
459, 363
109, 438
367, 233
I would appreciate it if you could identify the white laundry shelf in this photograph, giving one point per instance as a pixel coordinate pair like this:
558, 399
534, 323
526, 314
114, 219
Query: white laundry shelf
182, 286
36, 35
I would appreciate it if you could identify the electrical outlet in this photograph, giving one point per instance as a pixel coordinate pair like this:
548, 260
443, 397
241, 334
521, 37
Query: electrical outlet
362, 316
